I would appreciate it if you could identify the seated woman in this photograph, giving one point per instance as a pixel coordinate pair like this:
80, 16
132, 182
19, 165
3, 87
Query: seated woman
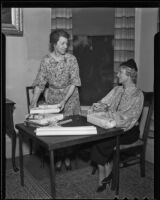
124, 105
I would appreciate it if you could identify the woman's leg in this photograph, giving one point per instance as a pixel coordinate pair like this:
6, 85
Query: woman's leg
108, 168
101, 172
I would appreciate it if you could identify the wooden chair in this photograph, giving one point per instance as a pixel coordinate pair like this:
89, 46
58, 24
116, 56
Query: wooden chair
132, 154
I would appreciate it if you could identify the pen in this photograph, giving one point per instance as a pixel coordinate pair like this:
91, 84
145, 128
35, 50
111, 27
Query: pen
65, 121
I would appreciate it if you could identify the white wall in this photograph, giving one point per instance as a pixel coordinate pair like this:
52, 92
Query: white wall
23, 55
145, 29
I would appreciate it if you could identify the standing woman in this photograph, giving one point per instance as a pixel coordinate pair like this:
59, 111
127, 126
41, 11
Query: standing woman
61, 71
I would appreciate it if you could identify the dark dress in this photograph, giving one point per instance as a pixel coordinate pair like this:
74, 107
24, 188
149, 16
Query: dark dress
102, 152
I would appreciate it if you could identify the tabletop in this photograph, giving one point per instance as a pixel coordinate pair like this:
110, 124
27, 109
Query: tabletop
56, 142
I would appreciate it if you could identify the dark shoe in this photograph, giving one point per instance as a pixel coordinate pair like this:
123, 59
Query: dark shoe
94, 169
58, 169
107, 179
101, 188
68, 167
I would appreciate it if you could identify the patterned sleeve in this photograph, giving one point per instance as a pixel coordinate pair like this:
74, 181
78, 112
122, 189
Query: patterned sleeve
108, 98
127, 118
41, 78
74, 72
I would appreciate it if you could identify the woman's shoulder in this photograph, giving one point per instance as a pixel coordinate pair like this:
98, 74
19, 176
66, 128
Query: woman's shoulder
118, 88
138, 93
70, 56
46, 58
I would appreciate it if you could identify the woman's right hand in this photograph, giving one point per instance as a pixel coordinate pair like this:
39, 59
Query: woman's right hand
97, 107
32, 105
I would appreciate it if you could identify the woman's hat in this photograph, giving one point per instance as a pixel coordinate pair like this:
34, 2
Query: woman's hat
131, 64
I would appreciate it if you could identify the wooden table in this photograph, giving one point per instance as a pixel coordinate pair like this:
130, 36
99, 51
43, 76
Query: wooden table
10, 131
52, 143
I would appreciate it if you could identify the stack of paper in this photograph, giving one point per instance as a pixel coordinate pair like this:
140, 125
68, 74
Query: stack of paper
58, 131
101, 119
43, 109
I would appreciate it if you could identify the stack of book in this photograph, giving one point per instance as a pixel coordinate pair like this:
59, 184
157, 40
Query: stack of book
44, 115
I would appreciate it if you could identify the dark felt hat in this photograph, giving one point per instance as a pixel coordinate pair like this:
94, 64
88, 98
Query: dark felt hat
130, 63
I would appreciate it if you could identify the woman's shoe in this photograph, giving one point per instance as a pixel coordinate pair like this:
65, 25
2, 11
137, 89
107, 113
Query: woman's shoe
58, 166
68, 164
107, 179
101, 188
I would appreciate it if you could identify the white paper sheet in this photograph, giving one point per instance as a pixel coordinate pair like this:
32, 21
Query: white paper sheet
80, 130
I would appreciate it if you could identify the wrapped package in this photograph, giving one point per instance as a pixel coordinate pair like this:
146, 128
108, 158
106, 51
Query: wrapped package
101, 119
59, 131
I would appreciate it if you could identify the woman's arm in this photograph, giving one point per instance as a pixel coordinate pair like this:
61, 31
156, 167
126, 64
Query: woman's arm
69, 93
128, 117
36, 94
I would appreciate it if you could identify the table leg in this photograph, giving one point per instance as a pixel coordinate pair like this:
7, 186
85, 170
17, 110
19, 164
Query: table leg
117, 165
30, 146
21, 159
14, 150
52, 174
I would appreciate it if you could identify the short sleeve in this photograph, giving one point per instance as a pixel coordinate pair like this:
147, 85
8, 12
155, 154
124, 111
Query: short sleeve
41, 78
74, 72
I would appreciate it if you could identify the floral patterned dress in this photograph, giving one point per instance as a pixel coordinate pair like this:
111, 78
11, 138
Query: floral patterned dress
60, 75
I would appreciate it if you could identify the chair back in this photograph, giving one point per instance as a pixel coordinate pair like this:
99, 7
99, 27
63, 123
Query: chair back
29, 94
145, 117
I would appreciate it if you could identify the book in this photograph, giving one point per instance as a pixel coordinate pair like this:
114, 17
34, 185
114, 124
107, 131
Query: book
45, 106
59, 131
43, 109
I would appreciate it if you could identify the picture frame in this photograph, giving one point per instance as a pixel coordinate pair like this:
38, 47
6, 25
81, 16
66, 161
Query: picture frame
13, 26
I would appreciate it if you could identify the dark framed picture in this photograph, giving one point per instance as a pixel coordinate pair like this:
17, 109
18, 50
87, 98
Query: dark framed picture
12, 21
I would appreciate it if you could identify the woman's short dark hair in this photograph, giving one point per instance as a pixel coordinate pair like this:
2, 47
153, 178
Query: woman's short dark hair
55, 35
